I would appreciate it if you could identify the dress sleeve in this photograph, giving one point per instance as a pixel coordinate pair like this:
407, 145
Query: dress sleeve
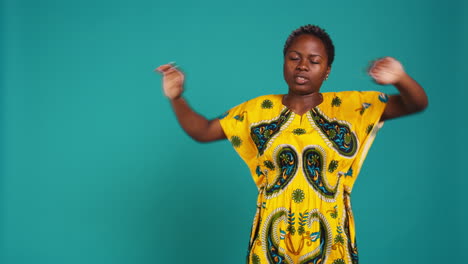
367, 109
235, 124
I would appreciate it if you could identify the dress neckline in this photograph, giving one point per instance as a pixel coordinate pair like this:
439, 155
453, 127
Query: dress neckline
281, 98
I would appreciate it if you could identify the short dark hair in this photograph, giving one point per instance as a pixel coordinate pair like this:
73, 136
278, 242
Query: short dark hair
315, 31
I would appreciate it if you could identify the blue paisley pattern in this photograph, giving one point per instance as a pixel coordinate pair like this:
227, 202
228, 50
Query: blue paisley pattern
352, 245
261, 134
313, 166
272, 235
325, 240
273, 253
340, 135
287, 163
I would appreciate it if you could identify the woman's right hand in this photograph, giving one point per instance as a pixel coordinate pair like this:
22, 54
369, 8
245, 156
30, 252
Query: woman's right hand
173, 80
196, 126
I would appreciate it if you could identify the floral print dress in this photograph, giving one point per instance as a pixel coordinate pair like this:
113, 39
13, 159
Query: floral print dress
304, 167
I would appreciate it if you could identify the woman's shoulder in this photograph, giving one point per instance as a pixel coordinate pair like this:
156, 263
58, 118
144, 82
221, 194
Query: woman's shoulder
358, 96
349, 93
353, 106
264, 101
268, 97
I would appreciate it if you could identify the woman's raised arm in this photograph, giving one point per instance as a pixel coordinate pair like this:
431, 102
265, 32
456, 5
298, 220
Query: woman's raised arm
412, 97
195, 125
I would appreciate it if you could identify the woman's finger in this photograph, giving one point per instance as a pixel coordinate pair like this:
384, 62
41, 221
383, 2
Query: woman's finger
165, 67
173, 71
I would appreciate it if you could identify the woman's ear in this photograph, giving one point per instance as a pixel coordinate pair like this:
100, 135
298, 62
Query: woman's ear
328, 73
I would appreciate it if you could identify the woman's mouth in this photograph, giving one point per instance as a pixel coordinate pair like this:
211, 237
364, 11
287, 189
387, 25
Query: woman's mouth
301, 80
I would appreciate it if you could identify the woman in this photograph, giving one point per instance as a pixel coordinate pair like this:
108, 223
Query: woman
304, 148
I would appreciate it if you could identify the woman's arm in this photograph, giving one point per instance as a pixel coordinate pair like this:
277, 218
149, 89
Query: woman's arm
412, 97
195, 125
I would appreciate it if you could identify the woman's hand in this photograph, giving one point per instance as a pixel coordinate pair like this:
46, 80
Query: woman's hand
387, 71
412, 97
173, 80
196, 126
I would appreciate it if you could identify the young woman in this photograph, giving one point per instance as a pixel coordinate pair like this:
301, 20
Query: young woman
304, 148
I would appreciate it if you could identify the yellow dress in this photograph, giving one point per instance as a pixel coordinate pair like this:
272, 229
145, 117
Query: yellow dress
304, 167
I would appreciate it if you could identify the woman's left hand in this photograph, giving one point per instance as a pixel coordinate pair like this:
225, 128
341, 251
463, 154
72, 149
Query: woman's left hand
387, 70
412, 97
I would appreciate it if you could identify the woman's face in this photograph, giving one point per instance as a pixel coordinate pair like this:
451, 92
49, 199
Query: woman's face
305, 65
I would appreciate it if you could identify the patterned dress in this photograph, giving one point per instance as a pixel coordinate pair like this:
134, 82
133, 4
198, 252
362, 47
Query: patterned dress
304, 167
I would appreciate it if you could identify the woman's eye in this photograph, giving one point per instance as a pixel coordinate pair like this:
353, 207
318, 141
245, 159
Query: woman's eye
294, 58
315, 62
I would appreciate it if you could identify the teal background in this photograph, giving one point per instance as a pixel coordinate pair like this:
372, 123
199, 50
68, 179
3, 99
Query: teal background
94, 166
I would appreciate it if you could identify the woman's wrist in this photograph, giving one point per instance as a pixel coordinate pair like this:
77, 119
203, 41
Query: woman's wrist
404, 78
176, 98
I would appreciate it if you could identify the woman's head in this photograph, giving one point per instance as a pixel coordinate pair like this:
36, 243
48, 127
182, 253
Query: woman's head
308, 55
314, 31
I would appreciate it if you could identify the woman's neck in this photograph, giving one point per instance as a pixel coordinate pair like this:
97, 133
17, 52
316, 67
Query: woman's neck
301, 104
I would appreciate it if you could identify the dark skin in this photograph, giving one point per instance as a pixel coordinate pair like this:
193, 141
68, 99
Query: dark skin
305, 68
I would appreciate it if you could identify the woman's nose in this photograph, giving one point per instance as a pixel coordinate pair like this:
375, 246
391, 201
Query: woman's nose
302, 66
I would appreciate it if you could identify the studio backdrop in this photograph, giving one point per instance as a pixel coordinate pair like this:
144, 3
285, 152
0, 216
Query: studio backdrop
95, 168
